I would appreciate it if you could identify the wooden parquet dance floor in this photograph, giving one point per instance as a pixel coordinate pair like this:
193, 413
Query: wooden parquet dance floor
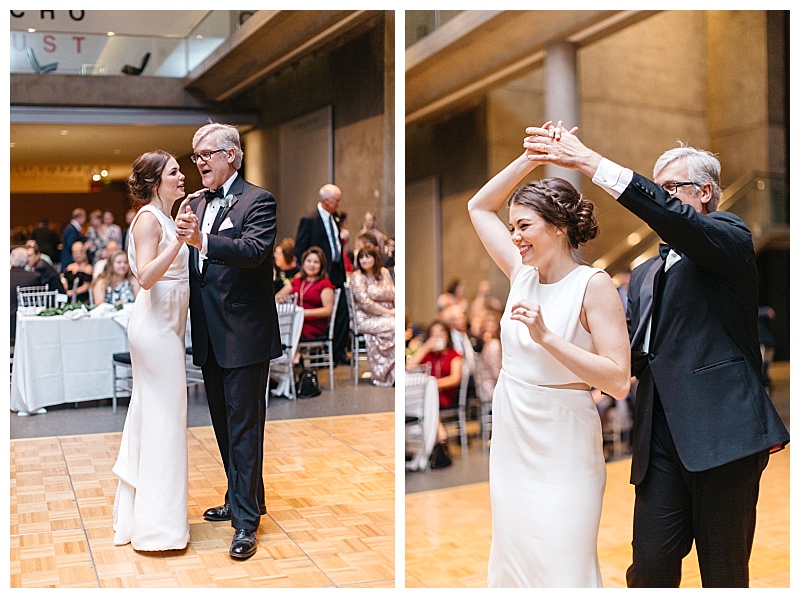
330, 519
448, 533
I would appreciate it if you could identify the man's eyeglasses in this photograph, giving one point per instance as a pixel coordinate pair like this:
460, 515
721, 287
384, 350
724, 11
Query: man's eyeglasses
204, 156
672, 188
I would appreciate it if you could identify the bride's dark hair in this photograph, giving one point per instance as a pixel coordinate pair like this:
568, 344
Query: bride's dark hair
146, 176
560, 204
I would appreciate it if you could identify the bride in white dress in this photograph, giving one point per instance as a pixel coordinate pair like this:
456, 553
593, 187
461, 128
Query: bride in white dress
563, 332
150, 508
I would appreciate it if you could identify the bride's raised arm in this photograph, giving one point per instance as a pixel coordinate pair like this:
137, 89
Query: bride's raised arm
486, 203
485, 206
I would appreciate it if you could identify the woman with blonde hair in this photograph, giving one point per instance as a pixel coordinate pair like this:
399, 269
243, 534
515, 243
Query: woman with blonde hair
116, 284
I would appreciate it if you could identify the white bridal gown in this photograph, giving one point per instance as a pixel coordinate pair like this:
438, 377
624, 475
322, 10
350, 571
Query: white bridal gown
150, 508
547, 472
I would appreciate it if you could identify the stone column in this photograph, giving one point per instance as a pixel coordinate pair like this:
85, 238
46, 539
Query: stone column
561, 97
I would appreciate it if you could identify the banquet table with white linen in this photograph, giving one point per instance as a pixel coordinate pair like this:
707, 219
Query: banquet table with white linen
66, 358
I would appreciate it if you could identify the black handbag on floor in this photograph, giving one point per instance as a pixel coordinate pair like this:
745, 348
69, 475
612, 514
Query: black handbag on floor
307, 383
440, 456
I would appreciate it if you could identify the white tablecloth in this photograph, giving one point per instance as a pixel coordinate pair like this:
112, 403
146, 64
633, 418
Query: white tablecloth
61, 359
420, 459
280, 371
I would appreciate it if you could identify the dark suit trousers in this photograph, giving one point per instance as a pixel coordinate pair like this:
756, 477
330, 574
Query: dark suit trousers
341, 329
674, 507
237, 402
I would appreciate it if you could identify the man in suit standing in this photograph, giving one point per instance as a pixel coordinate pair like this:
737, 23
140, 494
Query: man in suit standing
704, 426
231, 231
321, 229
47, 239
73, 232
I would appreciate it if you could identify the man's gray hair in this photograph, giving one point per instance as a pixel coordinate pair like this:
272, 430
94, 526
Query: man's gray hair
704, 167
227, 137
19, 257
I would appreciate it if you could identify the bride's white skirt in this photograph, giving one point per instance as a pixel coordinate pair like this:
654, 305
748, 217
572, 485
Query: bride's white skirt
150, 508
547, 476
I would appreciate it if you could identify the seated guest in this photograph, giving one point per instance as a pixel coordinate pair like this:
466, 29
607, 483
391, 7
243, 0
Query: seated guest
490, 361
414, 337
373, 296
100, 265
20, 277
363, 238
112, 231
388, 259
446, 364
314, 293
96, 237
454, 295
37, 263
78, 275
116, 285
285, 263
483, 302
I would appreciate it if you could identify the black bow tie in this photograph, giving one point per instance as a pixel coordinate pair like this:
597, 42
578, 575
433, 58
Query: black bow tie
663, 250
214, 194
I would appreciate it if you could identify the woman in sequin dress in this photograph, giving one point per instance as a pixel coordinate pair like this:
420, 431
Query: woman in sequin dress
373, 296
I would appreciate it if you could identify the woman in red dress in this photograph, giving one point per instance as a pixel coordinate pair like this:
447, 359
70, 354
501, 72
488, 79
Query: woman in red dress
314, 293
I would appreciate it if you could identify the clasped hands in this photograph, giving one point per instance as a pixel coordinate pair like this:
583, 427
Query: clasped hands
555, 144
187, 224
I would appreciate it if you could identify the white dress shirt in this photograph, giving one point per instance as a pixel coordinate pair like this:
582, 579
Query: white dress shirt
615, 179
208, 219
330, 225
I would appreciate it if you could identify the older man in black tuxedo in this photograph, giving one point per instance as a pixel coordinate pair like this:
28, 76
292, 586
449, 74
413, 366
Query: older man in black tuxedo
321, 229
704, 426
231, 231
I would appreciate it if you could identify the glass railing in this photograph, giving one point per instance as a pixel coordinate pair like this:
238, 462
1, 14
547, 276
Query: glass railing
761, 200
96, 54
421, 23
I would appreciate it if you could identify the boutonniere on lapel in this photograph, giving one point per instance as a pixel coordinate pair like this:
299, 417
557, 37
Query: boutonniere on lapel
226, 201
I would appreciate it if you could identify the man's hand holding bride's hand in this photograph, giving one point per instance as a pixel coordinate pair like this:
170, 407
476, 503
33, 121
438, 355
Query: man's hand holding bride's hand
187, 223
554, 144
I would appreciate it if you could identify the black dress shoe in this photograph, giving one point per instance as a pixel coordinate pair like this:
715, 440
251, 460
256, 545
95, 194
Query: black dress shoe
223, 513
243, 545
220, 513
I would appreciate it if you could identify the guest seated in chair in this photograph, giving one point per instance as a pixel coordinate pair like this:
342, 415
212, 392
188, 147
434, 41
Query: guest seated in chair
116, 284
46, 271
79, 270
20, 277
314, 293
491, 356
285, 267
446, 365
373, 296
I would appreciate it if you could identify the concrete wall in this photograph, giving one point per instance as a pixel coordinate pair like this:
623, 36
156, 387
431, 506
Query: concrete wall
354, 80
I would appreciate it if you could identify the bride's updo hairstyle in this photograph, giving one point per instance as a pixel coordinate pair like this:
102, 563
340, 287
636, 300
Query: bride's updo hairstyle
560, 204
146, 176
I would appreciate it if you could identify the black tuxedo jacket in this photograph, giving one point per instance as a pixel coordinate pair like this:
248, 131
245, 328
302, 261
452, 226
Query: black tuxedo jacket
232, 302
704, 357
310, 232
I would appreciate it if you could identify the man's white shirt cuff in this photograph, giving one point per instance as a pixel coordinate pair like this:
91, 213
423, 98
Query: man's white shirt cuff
204, 248
612, 177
